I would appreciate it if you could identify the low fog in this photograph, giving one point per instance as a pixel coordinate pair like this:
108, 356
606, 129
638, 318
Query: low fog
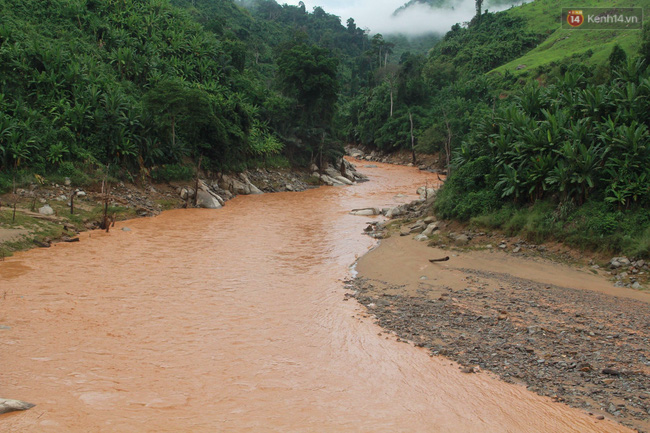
377, 16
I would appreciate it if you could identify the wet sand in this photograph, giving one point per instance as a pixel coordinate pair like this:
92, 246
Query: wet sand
562, 331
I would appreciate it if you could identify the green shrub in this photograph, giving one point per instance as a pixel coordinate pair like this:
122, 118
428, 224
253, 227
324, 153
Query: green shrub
172, 172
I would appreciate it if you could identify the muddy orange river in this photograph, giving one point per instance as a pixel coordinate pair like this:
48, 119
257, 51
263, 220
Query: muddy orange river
234, 320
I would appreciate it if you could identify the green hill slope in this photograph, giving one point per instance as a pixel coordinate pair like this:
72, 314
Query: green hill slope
543, 17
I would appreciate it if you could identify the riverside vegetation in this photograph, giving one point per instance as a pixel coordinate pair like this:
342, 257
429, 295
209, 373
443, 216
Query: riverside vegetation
160, 90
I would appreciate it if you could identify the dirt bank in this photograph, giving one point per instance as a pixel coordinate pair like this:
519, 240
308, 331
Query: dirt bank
427, 162
563, 332
43, 208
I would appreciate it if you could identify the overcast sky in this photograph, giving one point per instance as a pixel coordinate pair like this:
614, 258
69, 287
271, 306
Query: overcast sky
377, 15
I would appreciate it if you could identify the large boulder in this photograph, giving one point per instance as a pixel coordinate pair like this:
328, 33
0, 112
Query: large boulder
418, 227
328, 180
207, 200
186, 193
252, 189
343, 180
460, 239
229, 183
332, 172
239, 185
46, 210
618, 262
426, 193
430, 229
396, 211
369, 211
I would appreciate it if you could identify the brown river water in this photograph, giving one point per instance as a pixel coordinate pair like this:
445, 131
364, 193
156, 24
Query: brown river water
234, 320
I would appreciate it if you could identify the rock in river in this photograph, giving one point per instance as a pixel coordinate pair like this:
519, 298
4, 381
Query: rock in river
370, 211
7, 405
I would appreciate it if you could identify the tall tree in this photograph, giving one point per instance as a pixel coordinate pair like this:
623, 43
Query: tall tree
307, 73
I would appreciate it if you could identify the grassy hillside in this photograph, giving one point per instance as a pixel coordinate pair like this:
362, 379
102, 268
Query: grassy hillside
543, 17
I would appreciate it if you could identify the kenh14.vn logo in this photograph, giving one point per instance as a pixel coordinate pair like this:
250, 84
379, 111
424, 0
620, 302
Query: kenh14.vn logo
575, 18
611, 18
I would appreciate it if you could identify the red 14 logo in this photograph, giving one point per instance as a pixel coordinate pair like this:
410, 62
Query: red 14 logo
575, 18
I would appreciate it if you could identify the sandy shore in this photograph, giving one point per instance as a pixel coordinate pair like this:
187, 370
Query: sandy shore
561, 331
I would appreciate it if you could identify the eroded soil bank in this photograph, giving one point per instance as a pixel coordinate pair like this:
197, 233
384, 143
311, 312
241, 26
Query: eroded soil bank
234, 320
562, 331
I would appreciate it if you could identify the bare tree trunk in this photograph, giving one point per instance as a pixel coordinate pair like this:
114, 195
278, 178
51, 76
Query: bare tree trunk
196, 189
391, 100
104, 180
74, 193
448, 145
106, 224
412, 138
320, 151
13, 219
174, 132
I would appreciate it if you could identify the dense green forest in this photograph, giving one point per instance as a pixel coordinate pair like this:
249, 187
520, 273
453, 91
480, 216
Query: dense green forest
559, 151
147, 89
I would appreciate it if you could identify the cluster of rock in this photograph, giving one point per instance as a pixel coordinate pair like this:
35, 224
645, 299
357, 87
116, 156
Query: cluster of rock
345, 175
425, 227
386, 158
213, 194
626, 271
579, 346
120, 195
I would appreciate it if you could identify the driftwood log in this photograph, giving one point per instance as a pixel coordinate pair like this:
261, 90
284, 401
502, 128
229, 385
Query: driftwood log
7, 405
444, 259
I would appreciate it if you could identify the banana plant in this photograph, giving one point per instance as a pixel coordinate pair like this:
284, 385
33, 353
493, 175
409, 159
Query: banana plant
509, 183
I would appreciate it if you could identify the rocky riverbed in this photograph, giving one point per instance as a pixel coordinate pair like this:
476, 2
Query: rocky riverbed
48, 212
587, 348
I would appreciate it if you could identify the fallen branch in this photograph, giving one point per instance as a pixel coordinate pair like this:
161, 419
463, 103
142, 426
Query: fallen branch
444, 259
41, 244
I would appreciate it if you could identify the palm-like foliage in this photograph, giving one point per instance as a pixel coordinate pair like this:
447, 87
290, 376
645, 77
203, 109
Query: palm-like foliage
570, 141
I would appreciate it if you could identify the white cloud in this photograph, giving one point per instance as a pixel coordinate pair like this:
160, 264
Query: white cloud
378, 15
